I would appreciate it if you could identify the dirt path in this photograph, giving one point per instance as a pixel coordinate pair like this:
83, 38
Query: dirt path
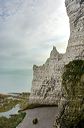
45, 115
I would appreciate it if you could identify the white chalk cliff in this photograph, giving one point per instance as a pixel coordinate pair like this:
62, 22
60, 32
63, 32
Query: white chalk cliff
46, 84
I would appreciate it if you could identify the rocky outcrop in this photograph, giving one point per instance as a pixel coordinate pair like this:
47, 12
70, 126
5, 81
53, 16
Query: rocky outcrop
47, 79
75, 11
71, 109
71, 106
46, 83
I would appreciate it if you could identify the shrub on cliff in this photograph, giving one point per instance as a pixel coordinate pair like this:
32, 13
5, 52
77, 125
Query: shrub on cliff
73, 91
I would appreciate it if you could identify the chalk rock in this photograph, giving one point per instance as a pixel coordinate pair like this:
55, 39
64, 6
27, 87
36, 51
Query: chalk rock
46, 84
47, 79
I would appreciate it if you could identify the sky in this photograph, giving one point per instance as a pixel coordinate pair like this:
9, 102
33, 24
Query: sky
28, 31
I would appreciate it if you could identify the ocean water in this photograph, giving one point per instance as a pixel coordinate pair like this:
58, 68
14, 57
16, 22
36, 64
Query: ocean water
15, 81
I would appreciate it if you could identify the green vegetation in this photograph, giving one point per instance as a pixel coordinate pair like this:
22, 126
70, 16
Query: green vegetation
7, 102
73, 91
11, 122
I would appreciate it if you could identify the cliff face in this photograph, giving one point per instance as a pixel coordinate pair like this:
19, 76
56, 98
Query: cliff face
73, 91
46, 84
75, 11
71, 111
47, 79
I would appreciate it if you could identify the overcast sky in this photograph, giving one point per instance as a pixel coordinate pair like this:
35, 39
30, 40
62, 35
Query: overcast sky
28, 31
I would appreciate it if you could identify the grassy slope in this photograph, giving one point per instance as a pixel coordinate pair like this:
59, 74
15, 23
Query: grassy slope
11, 122
8, 104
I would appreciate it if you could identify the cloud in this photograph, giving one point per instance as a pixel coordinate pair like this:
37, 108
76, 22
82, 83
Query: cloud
29, 29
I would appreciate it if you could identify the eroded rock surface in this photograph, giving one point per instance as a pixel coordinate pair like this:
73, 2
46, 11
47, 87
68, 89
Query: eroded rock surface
71, 113
46, 84
75, 11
